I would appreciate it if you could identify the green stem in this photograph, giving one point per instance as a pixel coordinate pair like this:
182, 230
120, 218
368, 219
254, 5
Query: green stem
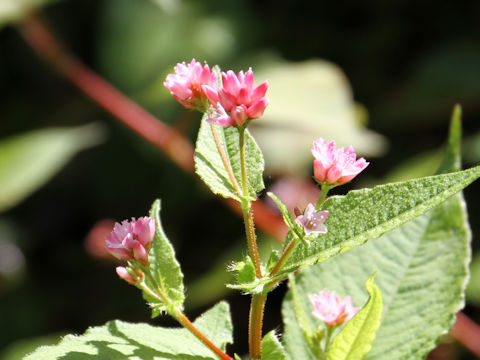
328, 337
225, 161
251, 237
247, 208
325, 189
255, 325
243, 163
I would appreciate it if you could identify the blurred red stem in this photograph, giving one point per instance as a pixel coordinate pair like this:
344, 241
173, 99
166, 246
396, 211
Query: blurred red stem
467, 333
38, 35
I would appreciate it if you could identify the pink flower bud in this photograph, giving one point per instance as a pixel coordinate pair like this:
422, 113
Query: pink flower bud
335, 166
123, 273
238, 99
313, 220
186, 85
132, 239
329, 308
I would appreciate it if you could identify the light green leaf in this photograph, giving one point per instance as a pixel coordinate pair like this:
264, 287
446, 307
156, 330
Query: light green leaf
272, 349
355, 339
210, 167
121, 340
365, 214
14, 10
422, 270
29, 160
306, 98
164, 267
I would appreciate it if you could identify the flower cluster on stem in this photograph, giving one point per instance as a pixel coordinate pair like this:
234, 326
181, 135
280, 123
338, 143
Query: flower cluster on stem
131, 240
186, 85
237, 101
334, 166
233, 104
329, 308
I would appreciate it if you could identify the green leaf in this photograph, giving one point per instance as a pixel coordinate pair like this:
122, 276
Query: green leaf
272, 349
14, 10
121, 340
164, 267
355, 339
211, 168
422, 271
29, 160
365, 214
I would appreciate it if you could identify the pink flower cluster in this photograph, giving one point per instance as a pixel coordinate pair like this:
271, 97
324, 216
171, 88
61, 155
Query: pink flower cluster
335, 166
132, 239
329, 308
232, 105
237, 101
186, 84
313, 220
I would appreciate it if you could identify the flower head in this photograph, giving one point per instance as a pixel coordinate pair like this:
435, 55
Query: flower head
335, 166
186, 84
329, 308
237, 101
131, 239
313, 220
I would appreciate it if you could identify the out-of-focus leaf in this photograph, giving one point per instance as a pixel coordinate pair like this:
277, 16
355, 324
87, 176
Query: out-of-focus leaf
444, 76
308, 100
473, 288
29, 160
14, 10
140, 41
21, 348
418, 166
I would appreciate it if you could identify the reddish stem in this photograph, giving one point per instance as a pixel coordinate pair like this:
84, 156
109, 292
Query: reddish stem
38, 35
182, 319
467, 333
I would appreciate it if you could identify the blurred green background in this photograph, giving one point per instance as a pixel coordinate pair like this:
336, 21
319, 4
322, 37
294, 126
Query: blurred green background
382, 76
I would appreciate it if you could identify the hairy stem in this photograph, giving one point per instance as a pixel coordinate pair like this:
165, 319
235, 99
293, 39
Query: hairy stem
225, 161
251, 237
186, 323
243, 163
182, 318
255, 325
